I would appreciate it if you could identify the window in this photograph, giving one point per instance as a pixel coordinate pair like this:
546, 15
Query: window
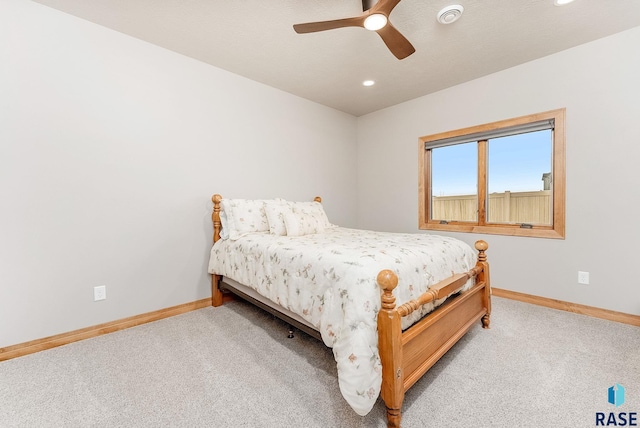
504, 178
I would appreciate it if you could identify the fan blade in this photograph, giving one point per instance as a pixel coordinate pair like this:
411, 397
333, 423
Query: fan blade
312, 27
384, 6
395, 41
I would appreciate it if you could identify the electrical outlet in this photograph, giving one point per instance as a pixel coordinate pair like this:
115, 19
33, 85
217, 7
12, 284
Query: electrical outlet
99, 293
583, 277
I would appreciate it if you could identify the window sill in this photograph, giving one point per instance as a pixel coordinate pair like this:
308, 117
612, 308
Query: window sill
539, 232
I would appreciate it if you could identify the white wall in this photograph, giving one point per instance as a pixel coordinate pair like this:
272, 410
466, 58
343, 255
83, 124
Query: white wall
598, 83
110, 149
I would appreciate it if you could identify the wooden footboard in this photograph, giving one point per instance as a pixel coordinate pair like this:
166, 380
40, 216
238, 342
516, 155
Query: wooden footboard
406, 356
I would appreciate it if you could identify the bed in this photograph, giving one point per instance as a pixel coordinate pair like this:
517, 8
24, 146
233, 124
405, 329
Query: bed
389, 305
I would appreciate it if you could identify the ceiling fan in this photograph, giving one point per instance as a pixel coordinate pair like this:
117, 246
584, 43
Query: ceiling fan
375, 18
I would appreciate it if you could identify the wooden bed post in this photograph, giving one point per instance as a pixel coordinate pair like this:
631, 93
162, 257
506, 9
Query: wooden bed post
216, 294
390, 348
482, 246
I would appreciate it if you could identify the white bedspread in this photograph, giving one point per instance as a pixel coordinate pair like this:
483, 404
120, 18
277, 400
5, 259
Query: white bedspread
330, 280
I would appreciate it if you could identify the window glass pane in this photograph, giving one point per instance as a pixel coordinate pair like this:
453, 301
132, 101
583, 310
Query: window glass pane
519, 179
454, 182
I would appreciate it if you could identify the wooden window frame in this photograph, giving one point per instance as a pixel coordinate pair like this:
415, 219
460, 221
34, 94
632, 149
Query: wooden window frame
556, 230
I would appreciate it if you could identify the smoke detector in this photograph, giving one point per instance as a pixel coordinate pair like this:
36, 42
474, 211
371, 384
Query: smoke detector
450, 14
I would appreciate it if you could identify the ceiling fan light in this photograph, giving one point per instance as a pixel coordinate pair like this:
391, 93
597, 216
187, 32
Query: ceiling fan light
375, 22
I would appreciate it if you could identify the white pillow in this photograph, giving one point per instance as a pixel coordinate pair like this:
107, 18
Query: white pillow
244, 216
224, 231
299, 225
314, 210
275, 211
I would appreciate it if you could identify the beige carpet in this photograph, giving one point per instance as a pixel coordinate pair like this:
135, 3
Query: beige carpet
234, 367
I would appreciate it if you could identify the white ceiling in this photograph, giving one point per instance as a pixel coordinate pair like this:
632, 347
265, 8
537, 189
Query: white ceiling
255, 39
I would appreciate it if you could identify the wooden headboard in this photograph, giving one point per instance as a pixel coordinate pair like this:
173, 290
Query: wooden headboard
215, 215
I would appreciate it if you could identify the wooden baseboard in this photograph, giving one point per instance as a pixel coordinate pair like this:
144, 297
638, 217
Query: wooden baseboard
37, 345
569, 307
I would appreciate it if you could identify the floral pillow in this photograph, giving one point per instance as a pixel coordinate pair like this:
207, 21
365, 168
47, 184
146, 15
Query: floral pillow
306, 218
275, 216
301, 225
224, 231
313, 210
275, 211
243, 216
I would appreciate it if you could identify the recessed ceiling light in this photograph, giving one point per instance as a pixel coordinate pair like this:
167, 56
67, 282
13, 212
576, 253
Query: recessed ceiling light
450, 14
368, 83
561, 2
375, 22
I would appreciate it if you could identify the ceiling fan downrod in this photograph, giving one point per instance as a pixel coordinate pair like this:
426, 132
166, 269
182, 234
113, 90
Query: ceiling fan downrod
368, 4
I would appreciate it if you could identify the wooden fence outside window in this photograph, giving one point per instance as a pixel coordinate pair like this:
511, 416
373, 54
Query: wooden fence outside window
507, 207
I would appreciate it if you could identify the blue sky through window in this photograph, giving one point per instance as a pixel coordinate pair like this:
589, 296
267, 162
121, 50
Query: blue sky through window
516, 163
